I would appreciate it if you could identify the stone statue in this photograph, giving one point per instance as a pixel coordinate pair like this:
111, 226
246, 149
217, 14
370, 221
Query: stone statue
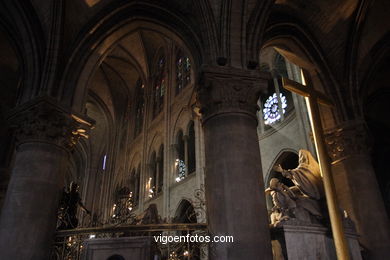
283, 200
290, 204
69, 203
306, 177
302, 201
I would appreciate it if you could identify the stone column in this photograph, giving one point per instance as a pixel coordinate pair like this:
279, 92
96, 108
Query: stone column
234, 181
44, 133
158, 170
357, 187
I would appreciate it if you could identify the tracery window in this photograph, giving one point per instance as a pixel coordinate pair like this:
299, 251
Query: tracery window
159, 85
274, 107
156, 178
183, 71
180, 165
134, 186
152, 182
140, 106
278, 103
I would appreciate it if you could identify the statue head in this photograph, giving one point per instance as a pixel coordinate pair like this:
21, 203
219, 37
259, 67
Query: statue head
306, 160
274, 184
73, 187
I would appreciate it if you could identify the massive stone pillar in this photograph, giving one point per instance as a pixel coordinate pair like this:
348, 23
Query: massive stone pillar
357, 187
44, 133
234, 182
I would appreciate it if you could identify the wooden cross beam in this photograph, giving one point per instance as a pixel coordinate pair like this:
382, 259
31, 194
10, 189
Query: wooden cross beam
314, 98
306, 91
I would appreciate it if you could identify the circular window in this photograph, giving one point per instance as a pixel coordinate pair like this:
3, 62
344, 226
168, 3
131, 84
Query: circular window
271, 111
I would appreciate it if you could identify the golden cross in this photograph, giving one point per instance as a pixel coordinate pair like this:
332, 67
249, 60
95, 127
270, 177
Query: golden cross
314, 98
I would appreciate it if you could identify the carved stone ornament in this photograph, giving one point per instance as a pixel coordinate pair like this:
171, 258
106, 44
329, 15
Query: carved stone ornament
44, 121
347, 140
229, 90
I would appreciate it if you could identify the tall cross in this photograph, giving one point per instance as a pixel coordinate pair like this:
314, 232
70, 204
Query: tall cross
314, 98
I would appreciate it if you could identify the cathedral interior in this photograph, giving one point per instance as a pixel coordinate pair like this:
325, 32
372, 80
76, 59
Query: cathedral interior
264, 120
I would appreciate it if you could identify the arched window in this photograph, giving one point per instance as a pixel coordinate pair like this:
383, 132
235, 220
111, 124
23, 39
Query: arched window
152, 182
159, 85
156, 177
181, 168
183, 71
140, 107
185, 213
191, 148
134, 186
278, 102
137, 185
160, 169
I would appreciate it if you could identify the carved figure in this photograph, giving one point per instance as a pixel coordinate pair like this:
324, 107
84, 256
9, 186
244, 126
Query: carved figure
306, 177
301, 201
290, 204
283, 200
69, 203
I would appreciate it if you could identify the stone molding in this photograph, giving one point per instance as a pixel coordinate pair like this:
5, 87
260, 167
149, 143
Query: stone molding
44, 120
347, 140
229, 90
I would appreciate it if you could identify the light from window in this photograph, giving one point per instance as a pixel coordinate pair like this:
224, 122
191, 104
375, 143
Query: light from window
271, 110
181, 170
150, 188
104, 162
183, 72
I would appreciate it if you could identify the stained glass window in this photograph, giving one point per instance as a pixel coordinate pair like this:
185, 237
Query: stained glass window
183, 71
140, 107
159, 86
272, 111
181, 169
180, 164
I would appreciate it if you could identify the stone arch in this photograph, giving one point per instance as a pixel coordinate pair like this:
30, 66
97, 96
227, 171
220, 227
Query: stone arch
300, 47
288, 158
135, 160
154, 144
24, 29
91, 50
181, 122
185, 212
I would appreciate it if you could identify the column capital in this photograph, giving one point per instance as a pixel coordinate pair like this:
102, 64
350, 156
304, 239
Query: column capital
347, 139
229, 90
44, 120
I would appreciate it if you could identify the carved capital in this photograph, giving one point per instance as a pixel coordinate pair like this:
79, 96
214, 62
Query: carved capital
229, 90
43, 120
347, 140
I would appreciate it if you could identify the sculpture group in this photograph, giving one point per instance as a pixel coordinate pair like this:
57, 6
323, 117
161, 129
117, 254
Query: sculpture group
302, 202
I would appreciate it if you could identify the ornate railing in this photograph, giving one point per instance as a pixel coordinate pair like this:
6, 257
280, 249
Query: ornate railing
69, 244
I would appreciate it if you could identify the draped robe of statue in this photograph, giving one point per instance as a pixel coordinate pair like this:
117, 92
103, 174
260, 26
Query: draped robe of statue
307, 177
